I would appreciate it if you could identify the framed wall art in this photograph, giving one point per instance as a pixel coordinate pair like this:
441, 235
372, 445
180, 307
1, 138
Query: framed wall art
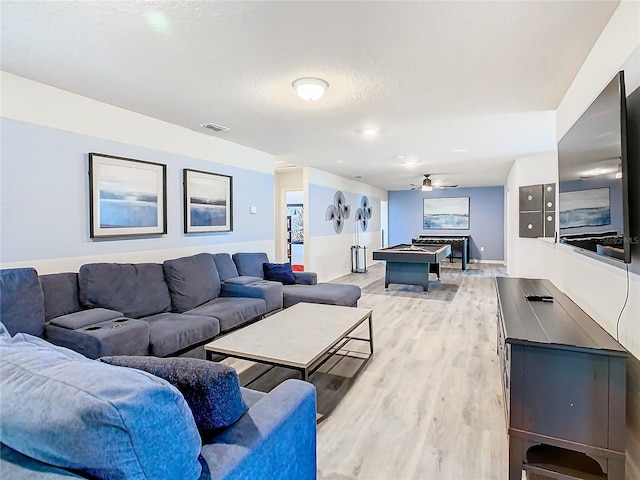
446, 213
585, 208
126, 197
208, 202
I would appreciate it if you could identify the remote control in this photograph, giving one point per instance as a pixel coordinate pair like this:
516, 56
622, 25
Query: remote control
540, 298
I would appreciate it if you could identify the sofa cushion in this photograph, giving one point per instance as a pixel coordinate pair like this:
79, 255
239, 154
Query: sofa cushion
279, 272
250, 264
21, 301
56, 403
328, 293
232, 311
192, 281
135, 289
170, 333
225, 266
84, 318
60, 294
211, 389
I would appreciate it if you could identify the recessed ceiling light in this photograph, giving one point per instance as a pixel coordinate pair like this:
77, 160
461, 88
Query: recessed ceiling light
310, 89
399, 157
158, 22
460, 150
370, 132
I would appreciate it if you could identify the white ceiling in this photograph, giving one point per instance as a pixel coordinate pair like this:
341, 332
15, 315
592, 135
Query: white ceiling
432, 77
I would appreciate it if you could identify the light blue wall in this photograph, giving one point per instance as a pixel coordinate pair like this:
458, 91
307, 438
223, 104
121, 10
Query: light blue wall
45, 191
320, 197
486, 218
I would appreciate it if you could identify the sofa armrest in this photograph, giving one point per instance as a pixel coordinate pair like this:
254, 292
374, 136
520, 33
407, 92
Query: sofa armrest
276, 438
305, 278
121, 336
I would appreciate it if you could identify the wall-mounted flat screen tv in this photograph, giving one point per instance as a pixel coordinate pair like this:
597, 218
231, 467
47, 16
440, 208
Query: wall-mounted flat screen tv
593, 178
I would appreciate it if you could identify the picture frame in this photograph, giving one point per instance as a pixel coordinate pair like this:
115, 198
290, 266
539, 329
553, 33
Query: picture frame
445, 213
127, 197
208, 202
590, 207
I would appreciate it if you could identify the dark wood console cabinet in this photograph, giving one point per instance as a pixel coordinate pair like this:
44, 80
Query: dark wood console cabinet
563, 381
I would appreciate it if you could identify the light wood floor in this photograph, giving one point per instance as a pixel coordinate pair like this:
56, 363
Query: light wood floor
428, 404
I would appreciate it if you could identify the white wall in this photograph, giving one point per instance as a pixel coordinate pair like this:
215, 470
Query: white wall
330, 255
523, 253
597, 287
284, 182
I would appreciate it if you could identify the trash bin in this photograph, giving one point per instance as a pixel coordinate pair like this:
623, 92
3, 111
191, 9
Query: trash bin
358, 259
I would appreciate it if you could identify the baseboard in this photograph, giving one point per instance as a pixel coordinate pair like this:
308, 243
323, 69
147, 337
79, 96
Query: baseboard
475, 260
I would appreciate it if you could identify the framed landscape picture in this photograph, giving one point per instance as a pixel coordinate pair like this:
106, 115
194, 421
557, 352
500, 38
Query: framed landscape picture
585, 208
446, 213
208, 202
126, 197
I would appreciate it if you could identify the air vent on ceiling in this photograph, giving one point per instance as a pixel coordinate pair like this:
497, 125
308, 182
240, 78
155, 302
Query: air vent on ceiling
282, 164
215, 127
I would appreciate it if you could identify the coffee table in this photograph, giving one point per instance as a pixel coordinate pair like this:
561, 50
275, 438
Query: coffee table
302, 337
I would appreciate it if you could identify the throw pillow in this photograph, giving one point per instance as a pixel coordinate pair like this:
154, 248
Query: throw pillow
279, 272
211, 389
101, 421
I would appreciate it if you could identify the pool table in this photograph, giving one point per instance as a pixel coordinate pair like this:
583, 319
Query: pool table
411, 264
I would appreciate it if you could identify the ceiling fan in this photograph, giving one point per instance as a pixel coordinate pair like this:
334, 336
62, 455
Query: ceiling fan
427, 186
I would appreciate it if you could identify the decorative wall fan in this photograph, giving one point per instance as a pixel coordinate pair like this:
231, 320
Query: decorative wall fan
427, 186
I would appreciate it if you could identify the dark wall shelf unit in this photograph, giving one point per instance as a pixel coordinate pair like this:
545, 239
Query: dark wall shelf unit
289, 242
537, 206
564, 388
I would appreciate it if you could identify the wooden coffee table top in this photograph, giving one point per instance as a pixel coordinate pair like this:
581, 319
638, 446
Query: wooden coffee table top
296, 336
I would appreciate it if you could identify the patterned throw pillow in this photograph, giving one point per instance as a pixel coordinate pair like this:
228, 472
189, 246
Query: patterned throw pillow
211, 389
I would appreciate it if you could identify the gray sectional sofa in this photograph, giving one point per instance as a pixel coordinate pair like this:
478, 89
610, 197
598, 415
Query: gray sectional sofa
65, 416
162, 310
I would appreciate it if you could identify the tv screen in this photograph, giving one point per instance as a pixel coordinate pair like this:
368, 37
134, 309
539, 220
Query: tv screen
592, 171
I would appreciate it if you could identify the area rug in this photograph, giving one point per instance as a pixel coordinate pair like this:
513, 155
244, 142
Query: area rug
443, 290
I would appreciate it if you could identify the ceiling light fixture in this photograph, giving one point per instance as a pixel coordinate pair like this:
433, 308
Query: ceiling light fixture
426, 184
370, 132
310, 89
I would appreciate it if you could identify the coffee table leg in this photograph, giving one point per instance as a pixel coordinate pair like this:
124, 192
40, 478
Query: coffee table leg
305, 374
371, 333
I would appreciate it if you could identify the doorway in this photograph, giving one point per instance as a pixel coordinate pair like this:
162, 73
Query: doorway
295, 229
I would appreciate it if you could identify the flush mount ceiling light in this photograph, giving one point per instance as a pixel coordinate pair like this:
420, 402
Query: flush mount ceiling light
370, 132
310, 89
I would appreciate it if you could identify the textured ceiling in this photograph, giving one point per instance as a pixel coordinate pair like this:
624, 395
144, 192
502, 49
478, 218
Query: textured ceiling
459, 89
